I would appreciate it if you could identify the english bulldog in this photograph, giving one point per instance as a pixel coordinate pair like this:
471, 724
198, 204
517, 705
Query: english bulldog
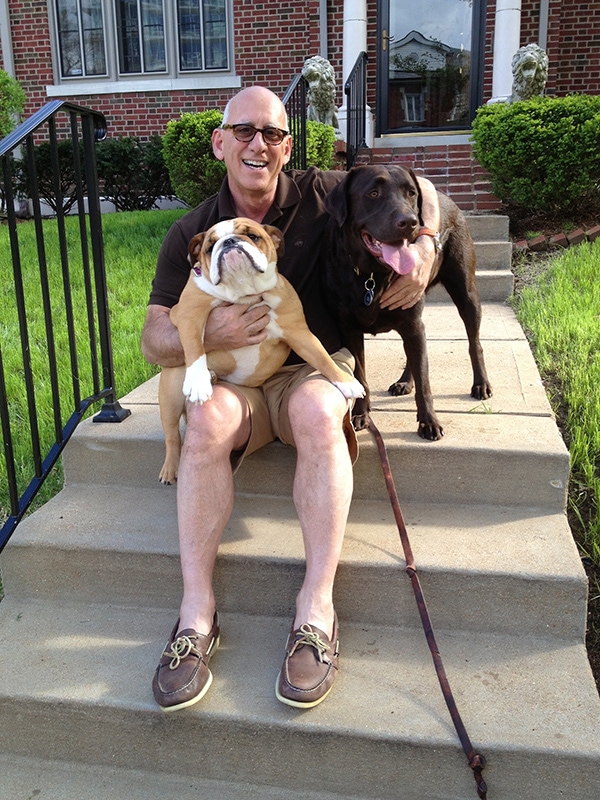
233, 262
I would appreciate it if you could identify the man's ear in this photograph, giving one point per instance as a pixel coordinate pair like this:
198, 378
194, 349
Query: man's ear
217, 143
287, 144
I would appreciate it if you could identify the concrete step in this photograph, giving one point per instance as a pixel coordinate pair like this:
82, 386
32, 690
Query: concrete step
27, 778
504, 451
488, 227
495, 285
483, 568
493, 255
82, 693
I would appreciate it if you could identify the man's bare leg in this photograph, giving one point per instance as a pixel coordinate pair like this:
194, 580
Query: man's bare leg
205, 493
322, 494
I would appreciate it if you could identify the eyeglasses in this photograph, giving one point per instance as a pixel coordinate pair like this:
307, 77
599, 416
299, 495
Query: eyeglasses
245, 133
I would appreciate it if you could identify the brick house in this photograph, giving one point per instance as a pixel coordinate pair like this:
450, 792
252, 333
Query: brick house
144, 62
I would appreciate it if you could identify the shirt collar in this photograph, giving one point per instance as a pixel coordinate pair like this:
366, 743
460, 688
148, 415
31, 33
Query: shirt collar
287, 194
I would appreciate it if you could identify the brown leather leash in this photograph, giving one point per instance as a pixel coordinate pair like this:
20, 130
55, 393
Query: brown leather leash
475, 761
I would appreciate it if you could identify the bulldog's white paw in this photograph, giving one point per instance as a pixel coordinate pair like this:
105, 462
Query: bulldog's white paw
197, 385
350, 388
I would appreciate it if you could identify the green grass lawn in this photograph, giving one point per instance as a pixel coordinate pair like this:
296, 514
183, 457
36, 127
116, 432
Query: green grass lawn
131, 244
560, 310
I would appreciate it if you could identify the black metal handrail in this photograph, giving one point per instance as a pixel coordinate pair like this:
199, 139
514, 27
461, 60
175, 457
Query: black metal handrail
294, 101
88, 364
355, 90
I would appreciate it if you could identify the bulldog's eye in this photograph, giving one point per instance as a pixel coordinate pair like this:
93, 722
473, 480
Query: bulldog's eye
254, 237
412, 192
374, 193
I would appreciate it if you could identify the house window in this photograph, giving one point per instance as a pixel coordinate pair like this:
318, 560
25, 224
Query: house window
121, 39
81, 37
140, 36
202, 27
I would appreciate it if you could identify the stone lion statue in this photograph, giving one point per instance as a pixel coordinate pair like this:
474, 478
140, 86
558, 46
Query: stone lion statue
530, 72
321, 90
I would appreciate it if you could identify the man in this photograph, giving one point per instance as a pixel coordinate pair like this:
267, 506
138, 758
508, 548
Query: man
297, 405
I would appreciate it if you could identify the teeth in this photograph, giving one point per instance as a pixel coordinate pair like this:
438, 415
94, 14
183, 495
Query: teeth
258, 164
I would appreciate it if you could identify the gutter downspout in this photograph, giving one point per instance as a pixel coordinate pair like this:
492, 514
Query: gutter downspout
323, 42
543, 31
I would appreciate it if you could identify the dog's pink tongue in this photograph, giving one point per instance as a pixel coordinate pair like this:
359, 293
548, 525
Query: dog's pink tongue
399, 257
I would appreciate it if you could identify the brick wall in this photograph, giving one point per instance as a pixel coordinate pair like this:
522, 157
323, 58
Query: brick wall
573, 45
272, 39
451, 168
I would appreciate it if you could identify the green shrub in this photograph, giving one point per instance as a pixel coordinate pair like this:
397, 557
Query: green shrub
42, 157
194, 170
133, 173
12, 102
543, 155
320, 139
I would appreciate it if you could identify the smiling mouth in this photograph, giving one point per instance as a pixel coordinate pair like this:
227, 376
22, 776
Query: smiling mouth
254, 164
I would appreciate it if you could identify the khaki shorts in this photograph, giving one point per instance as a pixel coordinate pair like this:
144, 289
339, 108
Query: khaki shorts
269, 407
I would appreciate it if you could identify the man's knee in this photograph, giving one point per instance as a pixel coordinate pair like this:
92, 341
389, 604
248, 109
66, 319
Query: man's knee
221, 422
316, 410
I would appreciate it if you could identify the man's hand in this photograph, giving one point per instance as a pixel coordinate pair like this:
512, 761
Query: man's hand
231, 326
407, 290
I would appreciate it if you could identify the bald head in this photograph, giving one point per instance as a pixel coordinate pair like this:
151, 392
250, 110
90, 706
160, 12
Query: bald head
256, 97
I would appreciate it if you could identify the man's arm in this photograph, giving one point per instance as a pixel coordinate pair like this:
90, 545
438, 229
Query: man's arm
406, 290
228, 327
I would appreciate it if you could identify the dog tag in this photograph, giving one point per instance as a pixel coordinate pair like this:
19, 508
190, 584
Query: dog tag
369, 290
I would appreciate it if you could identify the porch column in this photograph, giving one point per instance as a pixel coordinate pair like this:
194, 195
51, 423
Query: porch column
507, 40
354, 42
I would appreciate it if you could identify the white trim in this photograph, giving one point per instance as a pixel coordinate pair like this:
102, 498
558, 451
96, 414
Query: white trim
200, 82
422, 140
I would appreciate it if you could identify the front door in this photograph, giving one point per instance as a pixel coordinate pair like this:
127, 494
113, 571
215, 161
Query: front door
430, 64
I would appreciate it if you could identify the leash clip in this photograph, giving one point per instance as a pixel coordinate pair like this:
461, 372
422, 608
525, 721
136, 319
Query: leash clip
369, 290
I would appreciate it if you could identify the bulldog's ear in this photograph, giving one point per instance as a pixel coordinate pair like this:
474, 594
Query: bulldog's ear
336, 201
419, 196
277, 237
194, 247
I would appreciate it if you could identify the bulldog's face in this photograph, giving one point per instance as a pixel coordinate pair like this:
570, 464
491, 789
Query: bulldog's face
237, 252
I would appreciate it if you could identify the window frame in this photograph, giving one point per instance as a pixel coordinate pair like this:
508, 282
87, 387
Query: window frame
478, 20
113, 81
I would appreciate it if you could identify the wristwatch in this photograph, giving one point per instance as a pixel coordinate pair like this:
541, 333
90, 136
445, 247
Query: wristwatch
435, 235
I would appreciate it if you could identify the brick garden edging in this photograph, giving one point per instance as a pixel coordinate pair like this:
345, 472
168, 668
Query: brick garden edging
541, 243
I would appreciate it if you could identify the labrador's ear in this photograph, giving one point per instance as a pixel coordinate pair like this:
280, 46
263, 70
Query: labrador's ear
419, 196
336, 201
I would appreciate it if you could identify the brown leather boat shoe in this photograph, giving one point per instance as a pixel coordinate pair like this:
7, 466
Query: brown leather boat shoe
309, 668
182, 676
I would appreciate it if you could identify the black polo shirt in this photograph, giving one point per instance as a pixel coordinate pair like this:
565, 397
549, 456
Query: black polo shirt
298, 211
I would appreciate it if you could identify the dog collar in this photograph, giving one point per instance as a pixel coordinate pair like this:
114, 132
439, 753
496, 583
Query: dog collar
435, 235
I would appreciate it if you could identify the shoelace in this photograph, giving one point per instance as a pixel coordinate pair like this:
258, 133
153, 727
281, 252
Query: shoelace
180, 649
309, 637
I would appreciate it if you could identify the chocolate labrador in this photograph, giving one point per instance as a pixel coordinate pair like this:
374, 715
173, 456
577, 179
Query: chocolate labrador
375, 212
